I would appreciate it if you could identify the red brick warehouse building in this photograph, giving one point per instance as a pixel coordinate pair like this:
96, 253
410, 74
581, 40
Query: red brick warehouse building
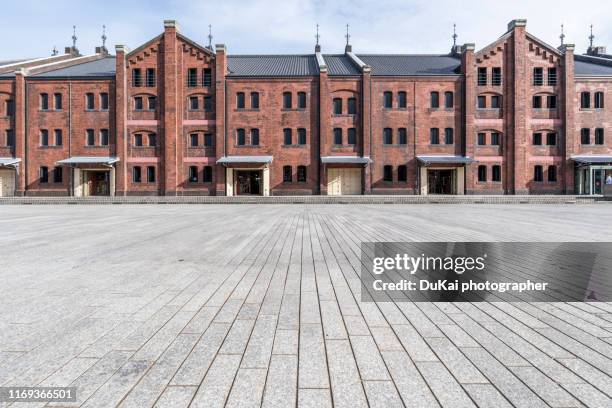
173, 117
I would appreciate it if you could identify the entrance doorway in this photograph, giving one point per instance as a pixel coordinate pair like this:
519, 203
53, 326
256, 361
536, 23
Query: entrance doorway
591, 179
440, 181
343, 181
248, 182
7, 182
98, 183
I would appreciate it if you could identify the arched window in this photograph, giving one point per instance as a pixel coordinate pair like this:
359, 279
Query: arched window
287, 176
482, 173
254, 100
352, 106
337, 106
599, 100
387, 136
388, 173
401, 99
496, 173
402, 173
448, 100
301, 174
287, 103
287, 137
388, 99
240, 100
435, 99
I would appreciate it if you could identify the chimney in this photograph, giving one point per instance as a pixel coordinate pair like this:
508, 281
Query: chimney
596, 50
520, 22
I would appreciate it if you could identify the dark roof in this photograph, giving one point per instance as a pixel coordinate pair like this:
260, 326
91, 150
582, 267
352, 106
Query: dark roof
340, 65
592, 66
412, 65
272, 65
104, 67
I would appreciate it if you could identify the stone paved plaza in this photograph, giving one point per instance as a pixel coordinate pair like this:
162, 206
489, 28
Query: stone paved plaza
258, 305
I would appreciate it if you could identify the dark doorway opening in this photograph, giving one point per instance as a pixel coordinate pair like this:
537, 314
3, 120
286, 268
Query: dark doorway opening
440, 181
248, 182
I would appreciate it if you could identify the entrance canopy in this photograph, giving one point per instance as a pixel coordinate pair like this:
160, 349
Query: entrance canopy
9, 162
229, 160
592, 159
345, 160
91, 160
426, 160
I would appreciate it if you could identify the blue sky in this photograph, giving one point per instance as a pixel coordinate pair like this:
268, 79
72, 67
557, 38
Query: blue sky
30, 28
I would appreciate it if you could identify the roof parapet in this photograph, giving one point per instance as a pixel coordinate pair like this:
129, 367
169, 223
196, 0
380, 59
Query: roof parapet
321, 61
32, 62
122, 48
356, 60
468, 47
171, 24
519, 22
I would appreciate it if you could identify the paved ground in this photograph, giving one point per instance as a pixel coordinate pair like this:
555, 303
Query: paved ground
245, 305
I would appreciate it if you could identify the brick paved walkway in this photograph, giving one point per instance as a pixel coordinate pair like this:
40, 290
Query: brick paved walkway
243, 306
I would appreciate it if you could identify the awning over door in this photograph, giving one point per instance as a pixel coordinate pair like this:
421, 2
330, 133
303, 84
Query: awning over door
592, 159
9, 162
228, 160
91, 160
345, 160
443, 159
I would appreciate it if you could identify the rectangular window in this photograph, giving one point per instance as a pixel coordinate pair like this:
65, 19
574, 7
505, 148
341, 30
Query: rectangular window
551, 101
435, 99
301, 174
207, 176
44, 137
10, 108
58, 137
482, 102
401, 99
496, 102
387, 136
585, 100
434, 136
538, 173
240, 100
402, 174
152, 139
552, 174
287, 137
551, 139
301, 136
599, 100
337, 106
495, 139
255, 137
496, 79
192, 77
538, 76
287, 174
44, 174
449, 101
352, 106
193, 140
448, 136
44, 101
388, 173
254, 100
402, 136
150, 77
301, 100
537, 139
208, 104
599, 136
287, 103
496, 176
482, 173
58, 175
104, 101
552, 76
352, 136
193, 174
388, 99
240, 137
138, 140
482, 76
337, 136
482, 139
138, 105
136, 174
152, 102
10, 138
585, 136
208, 138
207, 77
136, 77
193, 103
537, 102
57, 101
89, 101
151, 174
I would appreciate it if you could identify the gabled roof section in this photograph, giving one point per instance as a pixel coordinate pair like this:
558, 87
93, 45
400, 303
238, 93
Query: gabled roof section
340, 65
586, 66
195, 44
272, 65
100, 68
144, 46
412, 65
545, 45
489, 47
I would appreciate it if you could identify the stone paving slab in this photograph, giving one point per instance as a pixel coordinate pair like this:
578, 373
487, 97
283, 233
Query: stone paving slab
259, 305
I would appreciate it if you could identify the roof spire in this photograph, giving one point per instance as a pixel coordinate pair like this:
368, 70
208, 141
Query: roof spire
103, 36
562, 36
74, 37
454, 35
317, 36
347, 35
54, 51
591, 37
210, 37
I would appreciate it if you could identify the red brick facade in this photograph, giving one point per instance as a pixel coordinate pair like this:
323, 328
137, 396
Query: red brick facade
175, 109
